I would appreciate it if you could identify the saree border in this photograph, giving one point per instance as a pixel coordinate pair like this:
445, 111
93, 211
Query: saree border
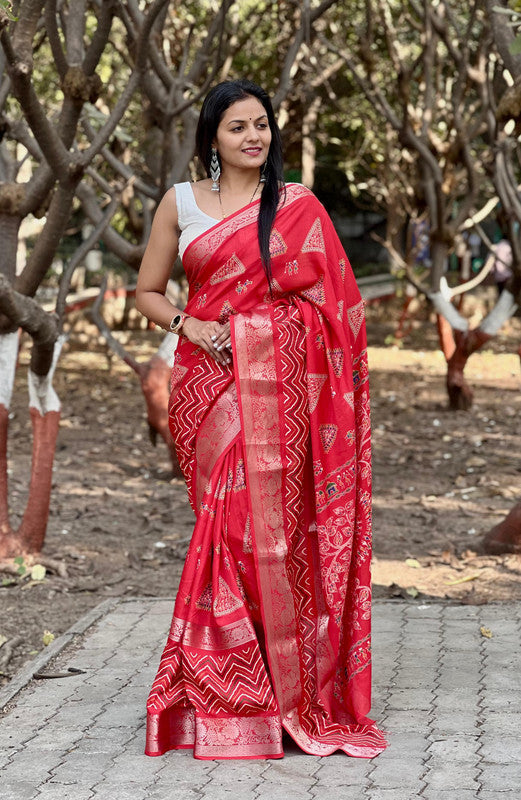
204, 247
222, 737
254, 359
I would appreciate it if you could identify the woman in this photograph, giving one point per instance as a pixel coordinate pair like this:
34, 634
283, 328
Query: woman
270, 414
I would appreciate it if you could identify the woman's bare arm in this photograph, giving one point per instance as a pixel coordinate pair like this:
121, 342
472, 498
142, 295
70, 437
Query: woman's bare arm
154, 273
156, 267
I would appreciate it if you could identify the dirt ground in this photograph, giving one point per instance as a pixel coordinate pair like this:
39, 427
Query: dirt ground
120, 524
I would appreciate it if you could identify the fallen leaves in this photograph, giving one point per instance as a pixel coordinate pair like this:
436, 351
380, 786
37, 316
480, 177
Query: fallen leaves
486, 632
38, 572
464, 579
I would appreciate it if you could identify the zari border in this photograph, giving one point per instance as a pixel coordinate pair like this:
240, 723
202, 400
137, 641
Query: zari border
175, 725
214, 737
212, 637
254, 360
238, 737
204, 247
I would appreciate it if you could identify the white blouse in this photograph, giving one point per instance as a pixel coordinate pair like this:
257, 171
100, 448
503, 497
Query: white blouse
192, 221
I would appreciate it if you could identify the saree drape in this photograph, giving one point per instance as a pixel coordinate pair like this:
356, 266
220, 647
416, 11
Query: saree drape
271, 625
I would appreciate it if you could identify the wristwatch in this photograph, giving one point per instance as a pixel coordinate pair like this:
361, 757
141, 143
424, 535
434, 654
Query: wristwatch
177, 323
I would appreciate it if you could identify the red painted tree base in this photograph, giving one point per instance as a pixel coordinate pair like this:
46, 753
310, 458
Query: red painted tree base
506, 536
29, 537
155, 383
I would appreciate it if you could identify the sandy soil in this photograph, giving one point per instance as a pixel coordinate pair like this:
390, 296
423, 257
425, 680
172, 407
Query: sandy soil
120, 524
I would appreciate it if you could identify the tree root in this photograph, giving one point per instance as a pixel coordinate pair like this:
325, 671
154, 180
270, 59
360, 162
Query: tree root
8, 649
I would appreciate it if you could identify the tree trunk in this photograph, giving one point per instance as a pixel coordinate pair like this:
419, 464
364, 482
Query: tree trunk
44, 408
446, 337
309, 146
30, 536
9, 229
505, 537
4, 509
31, 533
459, 391
155, 378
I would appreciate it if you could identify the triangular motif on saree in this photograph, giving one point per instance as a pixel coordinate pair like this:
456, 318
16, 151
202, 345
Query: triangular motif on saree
314, 242
349, 397
230, 269
178, 372
316, 292
225, 312
205, 601
315, 384
276, 290
277, 244
226, 601
335, 356
328, 434
355, 316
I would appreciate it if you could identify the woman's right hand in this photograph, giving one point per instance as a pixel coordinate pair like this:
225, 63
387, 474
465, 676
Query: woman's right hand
208, 334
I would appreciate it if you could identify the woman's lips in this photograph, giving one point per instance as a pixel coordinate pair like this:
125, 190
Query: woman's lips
252, 151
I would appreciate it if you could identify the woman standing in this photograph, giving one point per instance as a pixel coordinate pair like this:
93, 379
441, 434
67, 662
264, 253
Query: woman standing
270, 414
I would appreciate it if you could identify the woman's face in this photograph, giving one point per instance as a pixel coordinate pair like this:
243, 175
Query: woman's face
243, 137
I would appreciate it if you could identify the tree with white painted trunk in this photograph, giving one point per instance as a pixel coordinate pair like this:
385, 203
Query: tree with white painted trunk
69, 72
43, 158
433, 76
505, 126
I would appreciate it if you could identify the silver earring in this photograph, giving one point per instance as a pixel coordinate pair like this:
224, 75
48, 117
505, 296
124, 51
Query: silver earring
264, 172
215, 170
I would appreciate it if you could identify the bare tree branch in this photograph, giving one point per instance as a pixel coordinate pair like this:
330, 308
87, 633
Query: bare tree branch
100, 37
108, 129
26, 313
104, 329
54, 38
80, 254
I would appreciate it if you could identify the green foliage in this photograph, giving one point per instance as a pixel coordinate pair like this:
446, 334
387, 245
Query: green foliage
22, 569
7, 7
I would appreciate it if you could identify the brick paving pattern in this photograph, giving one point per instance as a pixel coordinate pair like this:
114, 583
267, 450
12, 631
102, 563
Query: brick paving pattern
449, 698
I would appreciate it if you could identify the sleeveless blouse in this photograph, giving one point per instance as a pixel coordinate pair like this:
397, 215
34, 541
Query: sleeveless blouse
191, 220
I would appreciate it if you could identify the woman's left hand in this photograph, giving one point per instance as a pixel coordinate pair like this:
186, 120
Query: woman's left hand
222, 341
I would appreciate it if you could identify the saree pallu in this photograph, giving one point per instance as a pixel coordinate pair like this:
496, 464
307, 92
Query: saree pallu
271, 625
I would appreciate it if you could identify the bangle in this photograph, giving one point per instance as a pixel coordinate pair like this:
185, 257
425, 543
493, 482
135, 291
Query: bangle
177, 323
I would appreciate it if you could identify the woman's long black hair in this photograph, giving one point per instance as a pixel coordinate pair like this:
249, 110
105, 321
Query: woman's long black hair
215, 104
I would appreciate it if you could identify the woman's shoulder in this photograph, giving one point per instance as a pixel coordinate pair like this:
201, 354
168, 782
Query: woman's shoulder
297, 191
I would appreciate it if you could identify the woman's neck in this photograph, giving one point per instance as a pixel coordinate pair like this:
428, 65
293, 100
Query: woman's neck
239, 182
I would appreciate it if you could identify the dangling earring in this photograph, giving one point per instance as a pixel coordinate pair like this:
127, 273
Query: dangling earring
215, 170
264, 172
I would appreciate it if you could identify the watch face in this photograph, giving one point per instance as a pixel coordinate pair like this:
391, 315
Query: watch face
177, 319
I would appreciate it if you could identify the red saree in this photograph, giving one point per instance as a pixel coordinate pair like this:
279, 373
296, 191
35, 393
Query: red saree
271, 625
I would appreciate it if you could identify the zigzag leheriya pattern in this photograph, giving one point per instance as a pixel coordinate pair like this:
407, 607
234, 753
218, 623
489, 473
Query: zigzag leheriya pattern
292, 345
168, 687
190, 405
235, 682
301, 579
